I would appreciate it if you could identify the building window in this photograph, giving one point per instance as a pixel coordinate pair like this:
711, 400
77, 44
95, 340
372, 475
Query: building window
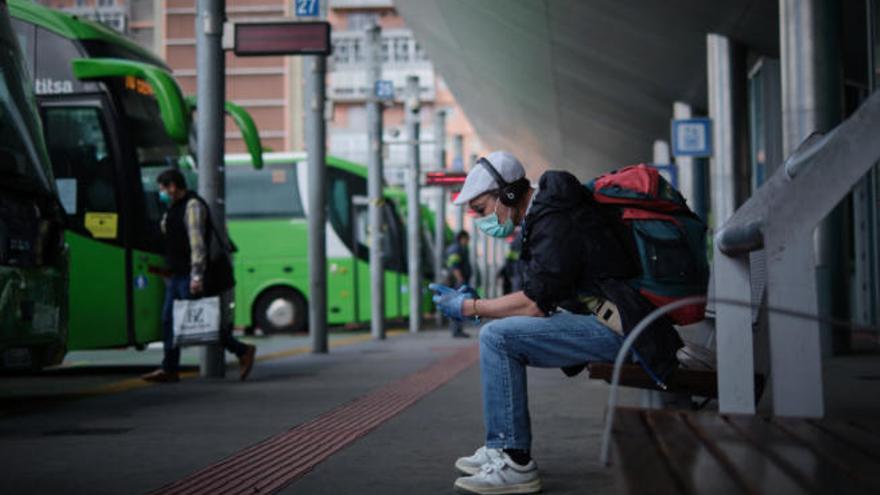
105, 3
401, 50
358, 21
80, 3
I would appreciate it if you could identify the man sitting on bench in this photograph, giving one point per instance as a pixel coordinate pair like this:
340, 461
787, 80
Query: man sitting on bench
577, 254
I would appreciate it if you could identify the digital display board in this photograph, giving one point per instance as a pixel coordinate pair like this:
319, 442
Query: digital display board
282, 38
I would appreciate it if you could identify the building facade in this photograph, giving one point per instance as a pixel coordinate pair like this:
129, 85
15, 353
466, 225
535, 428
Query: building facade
270, 88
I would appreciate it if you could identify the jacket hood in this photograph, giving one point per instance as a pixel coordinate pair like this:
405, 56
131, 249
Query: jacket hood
558, 190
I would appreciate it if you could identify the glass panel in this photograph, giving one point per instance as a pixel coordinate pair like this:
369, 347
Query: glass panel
22, 162
83, 168
272, 192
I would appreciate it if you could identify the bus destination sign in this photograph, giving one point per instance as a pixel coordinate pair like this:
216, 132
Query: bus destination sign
282, 38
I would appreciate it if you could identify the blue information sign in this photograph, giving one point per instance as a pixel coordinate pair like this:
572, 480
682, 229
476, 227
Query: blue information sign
307, 8
692, 137
384, 89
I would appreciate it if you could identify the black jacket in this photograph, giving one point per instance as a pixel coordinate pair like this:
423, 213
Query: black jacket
574, 247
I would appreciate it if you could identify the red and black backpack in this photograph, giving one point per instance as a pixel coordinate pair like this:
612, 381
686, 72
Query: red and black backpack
670, 239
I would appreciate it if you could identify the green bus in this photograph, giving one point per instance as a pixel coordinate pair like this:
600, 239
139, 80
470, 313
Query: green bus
33, 261
113, 119
266, 215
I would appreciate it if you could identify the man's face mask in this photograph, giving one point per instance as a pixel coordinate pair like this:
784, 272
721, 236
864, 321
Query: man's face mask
492, 227
164, 197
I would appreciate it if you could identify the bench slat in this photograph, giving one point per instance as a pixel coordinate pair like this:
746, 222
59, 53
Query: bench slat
788, 451
758, 467
642, 468
703, 471
854, 463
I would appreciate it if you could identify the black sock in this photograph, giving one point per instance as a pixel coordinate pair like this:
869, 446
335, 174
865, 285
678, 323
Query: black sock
519, 456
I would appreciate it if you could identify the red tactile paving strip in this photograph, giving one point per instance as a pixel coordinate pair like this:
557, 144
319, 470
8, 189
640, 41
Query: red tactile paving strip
272, 464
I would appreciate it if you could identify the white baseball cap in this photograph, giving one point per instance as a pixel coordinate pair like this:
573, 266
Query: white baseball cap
480, 180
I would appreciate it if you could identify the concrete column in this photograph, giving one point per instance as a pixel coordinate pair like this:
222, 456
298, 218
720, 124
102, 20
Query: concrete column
458, 166
316, 148
440, 209
685, 164
210, 82
372, 52
809, 58
413, 227
729, 174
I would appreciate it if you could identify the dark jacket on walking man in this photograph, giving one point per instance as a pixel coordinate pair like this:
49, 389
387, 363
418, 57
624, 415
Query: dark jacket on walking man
189, 237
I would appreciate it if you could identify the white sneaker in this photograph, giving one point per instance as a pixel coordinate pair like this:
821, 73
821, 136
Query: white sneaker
502, 476
471, 465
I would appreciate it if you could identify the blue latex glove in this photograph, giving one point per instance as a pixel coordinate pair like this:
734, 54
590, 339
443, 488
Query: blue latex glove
449, 300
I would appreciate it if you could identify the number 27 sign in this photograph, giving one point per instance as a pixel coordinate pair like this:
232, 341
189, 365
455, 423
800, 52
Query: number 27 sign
307, 8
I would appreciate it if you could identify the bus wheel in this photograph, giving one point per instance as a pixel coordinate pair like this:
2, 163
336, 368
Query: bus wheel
281, 310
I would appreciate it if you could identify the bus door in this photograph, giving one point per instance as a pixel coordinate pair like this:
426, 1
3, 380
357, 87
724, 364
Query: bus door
84, 155
149, 152
395, 263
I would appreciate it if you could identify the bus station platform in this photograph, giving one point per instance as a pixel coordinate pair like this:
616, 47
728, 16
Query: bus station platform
370, 416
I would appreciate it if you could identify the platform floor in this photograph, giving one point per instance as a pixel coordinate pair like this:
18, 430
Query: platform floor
92, 427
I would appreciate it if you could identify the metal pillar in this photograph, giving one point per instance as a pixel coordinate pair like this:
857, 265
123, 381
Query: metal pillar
210, 81
685, 164
316, 149
810, 93
440, 209
458, 166
661, 152
811, 96
729, 176
413, 227
372, 53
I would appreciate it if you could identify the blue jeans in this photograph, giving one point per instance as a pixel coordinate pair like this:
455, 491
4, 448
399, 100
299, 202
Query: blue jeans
508, 345
178, 288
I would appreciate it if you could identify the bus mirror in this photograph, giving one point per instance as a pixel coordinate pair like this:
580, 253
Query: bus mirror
245, 124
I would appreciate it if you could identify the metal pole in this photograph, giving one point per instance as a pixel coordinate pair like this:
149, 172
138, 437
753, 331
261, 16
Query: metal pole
440, 213
210, 81
372, 53
413, 228
458, 166
811, 96
316, 151
810, 102
685, 164
720, 68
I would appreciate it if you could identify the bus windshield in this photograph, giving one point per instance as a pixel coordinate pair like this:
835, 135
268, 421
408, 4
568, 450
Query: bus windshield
154, 150
272, 192
22, 163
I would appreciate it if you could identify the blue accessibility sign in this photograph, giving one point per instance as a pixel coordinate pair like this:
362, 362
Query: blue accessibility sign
141, 282
692, 137
307, 8
384, 89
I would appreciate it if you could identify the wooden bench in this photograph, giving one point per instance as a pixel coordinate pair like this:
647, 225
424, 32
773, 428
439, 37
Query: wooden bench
696, 374
662, 451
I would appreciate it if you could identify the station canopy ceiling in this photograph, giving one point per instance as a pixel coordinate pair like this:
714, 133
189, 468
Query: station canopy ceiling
581, 85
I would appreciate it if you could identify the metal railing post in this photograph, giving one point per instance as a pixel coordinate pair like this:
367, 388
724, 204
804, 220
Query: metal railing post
316, 148
210, 81
413, 228
372, 52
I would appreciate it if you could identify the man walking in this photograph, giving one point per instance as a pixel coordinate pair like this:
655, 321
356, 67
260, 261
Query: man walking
458, 263
187, 232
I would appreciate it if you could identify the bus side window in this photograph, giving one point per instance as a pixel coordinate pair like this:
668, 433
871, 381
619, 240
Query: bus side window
83, 170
